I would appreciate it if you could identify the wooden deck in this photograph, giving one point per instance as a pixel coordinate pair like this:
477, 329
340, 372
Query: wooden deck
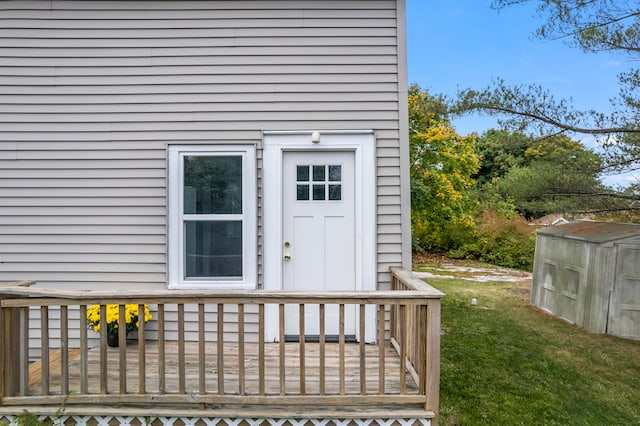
233, 383
170, 372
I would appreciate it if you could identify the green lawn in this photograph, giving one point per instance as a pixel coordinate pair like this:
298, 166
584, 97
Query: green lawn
506, 363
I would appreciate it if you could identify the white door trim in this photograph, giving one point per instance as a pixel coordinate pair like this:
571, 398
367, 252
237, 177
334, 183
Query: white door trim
362, 144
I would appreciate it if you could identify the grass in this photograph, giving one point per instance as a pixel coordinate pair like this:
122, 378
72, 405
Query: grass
506, 363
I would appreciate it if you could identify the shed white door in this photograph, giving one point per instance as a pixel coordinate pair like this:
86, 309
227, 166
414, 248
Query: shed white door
318, 241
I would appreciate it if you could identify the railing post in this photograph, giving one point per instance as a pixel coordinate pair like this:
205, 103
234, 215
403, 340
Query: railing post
432, 367
11, 344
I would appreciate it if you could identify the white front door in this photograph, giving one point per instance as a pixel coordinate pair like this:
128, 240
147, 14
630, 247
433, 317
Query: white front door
328, 241
318, 234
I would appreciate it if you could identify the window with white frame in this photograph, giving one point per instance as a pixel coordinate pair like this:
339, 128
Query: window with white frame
212, 216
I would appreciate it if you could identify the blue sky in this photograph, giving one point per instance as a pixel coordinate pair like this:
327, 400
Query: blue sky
458, 44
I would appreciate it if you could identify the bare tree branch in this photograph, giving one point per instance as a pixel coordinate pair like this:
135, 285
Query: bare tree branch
557, 123
591, 194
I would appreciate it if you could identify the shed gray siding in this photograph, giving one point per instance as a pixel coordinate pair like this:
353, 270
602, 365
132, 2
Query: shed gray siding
92, 92
589, 274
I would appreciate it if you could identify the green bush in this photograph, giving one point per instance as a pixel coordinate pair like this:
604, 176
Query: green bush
508, 242
441, 237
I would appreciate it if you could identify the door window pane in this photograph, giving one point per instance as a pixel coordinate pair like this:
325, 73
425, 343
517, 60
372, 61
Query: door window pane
335, 173
213, 249
302, 173
213, 184
335, 192
318, 173
318, 192
302, 192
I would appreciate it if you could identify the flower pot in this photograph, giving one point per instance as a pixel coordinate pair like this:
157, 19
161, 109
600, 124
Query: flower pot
112, 340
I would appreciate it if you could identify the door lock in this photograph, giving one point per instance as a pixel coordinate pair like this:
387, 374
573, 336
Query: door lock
287, 257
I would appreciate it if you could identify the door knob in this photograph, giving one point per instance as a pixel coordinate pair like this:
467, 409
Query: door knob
287, 257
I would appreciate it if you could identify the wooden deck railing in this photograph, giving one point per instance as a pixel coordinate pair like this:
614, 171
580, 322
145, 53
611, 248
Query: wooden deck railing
415, 333
224, 363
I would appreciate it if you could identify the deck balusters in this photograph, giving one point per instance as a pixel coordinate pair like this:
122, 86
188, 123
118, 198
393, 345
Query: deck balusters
363, 357
162, 368
201, 351
122, 346
421, 367
84, 352
241, 379
142, 351
282, 347
301, 331
64, 350
44, 339
104, 387
181, 354
341, 348
24, 351
322, 349
403, 349
220, 353
261, 357
381, 349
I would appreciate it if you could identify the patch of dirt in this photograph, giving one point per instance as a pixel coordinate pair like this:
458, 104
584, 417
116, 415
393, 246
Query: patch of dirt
437, 258
523, 293
473, 273
430, 265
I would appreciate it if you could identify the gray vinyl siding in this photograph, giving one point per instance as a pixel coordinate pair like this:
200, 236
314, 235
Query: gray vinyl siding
92, 92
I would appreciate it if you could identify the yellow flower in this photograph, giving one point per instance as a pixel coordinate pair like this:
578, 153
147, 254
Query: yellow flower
112, 317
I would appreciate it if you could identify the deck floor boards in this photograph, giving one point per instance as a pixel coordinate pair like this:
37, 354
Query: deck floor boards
231, 368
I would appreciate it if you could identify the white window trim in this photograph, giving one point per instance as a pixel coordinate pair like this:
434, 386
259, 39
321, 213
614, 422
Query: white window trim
175, 233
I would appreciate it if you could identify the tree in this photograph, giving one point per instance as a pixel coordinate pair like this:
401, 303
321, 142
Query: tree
499, 151
442, 163
538, 176
593, 26
557, 175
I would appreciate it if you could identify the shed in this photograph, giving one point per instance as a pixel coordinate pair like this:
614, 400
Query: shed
588, 273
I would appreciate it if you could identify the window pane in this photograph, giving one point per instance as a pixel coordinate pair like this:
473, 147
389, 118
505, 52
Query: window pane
318, 174
302, 173
318, 192
213, 184
213, 249
335, 192
302, 192
335, 173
